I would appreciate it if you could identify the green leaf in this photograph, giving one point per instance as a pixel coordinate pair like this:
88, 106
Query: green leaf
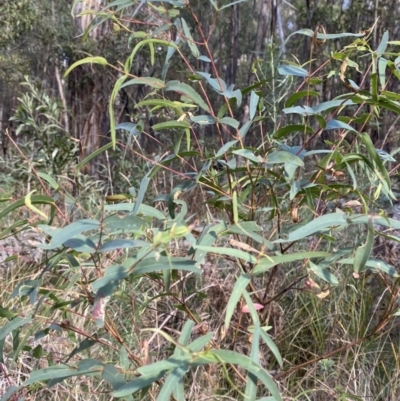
320, 36
254, 98
204, 120
199, 343
245, 362
93, 155
236, 253
336, 124
111, 103
383, 45
382, 172
225, 148
49, 179
87, 60
188, 91
382, 65
241, 283
149, 81
244, 129
363, 252
282, 132
112, 274
13, 325
189, 38
293, 99
231, 4
144, 183
35, 200
324, 274
151, 265
137, 384
268, 262
170, 125
229, 121
283, 156
321, 224
251, 385
172, 381
374, 265
60, 236
248, 154
288, 69
122, 243
165, 103
272, 346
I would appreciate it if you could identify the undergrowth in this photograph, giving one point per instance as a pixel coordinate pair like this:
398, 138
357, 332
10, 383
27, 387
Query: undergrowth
236, 267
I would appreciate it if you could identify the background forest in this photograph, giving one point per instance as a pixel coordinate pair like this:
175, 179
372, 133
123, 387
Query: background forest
198, 200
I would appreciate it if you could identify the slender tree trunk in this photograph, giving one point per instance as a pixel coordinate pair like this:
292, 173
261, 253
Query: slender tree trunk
260, 36
235, 28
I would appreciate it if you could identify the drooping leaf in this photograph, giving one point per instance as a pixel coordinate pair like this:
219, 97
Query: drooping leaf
188, 91
363, 252
87, 60
189, 38
254, 98
241, 283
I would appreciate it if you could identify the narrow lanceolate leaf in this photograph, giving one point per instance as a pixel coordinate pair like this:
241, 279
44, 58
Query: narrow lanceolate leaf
93, 155
112, 274
188, 91
189, 38
280, 133
35, 200
151, 265
29, 205
60, 236
172, 381
383, 45
113, 97
149, 81
271, 345
13, 325
363, 252
225, 148
56, 374
319, 225
382, 172
251, 385
137, 384
230, 252
142, 191
245, 362
241, 283
171, 125
87, 60
287, 69
254, 98
293, 99
283, 156
268, 262
204, 120
323, 273
336, 124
